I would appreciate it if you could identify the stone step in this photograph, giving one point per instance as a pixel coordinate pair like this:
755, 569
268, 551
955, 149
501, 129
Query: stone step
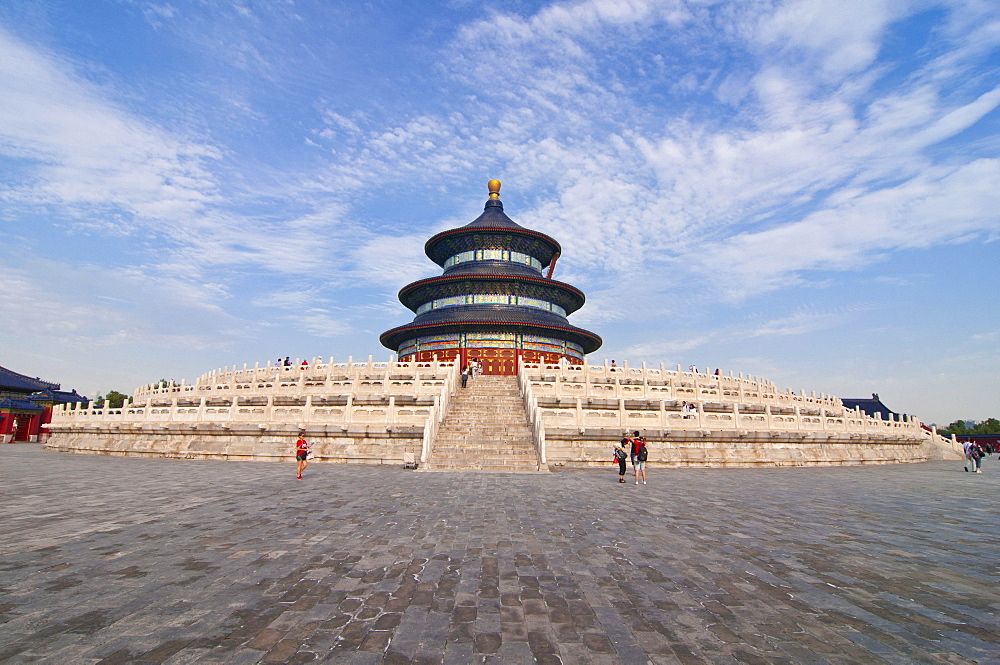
482, 459
477, 447
507, 441
483, 467
485, 429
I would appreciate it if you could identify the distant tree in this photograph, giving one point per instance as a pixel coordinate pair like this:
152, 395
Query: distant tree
115, 399
988, 426
959, 427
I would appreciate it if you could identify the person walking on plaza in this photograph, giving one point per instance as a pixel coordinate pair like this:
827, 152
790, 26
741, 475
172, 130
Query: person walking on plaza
639, 455
972, 456
621, 456
977, 456
301, 456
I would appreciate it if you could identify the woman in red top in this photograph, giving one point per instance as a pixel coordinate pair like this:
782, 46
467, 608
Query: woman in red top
301, 455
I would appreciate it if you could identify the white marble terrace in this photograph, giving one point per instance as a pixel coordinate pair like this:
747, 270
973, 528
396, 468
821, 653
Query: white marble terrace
369, 399
638, 398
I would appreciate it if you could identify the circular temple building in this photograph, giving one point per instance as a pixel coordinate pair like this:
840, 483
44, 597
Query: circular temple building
495, 302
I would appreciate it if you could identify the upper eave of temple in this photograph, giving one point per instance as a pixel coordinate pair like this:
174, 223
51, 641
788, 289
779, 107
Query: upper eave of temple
491, 230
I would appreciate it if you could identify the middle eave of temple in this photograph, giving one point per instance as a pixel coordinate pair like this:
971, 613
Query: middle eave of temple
479, 279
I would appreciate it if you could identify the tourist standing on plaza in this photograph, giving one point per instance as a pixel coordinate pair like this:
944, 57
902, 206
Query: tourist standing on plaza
973, 457
639, 455
301, 456
621, 456
977, 457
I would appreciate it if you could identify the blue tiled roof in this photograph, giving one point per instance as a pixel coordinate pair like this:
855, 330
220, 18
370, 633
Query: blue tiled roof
494, 217
475, 318
532, 285
14, 404
498, 313
11, 380
869, 406
58, 396
503, 232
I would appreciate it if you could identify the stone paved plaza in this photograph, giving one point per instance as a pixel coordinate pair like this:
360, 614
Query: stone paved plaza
139, 560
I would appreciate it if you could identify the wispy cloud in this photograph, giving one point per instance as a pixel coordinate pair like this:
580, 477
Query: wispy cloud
942, 205
85, 154
802, 322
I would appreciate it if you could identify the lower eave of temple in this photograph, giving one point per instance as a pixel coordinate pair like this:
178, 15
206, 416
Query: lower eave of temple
392, 339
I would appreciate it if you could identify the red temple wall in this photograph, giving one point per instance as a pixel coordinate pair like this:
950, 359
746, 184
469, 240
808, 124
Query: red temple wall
493, 361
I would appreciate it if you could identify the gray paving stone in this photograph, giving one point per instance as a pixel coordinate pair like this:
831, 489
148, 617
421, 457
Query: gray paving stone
107, 559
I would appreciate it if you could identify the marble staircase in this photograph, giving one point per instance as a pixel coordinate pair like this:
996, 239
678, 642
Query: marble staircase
485, 429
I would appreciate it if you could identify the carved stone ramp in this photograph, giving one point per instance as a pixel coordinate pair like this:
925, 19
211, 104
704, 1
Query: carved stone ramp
486, 429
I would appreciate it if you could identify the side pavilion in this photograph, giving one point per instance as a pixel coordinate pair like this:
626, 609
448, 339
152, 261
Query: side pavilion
26, 404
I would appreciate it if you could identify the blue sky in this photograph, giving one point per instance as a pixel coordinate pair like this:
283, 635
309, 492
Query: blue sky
805, 191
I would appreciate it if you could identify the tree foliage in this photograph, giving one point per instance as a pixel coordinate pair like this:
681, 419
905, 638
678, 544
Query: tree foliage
113, 400
958, 428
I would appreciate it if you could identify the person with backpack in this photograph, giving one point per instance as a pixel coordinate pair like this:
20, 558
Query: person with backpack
974, 457
977, 455
639, 456
621, 456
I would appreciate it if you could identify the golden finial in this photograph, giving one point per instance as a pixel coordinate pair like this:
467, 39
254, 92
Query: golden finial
494, 186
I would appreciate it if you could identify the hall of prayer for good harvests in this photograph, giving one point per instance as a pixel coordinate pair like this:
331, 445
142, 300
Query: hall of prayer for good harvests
495, 301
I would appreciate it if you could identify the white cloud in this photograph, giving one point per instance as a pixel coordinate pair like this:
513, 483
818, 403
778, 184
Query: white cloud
75, 309
841, 38
84, 153
943, 205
